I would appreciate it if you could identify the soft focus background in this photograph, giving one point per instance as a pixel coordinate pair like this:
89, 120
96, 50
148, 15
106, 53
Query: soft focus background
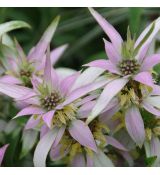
77, 28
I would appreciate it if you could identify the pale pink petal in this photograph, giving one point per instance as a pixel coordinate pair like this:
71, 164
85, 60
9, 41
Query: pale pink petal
57, 53
155, 145
108, 114
151, 109
50, 75
32, 100
55, 153
43, 147
77, 93
28, 99
81, 133
67, 83
59, 136
102, 160
10, 79
87, 77
144, 78
85, 109
150, 62
30, 110
112, 53
115, 143
32, 122
104, 64
47, 118
64, 72
98, 63
142, 53
44, 130
39, 51
36, 81
14, 91
154, 101
87, 99
47, 70
135, 125
110, 90
2, 152
113, 35
155, 90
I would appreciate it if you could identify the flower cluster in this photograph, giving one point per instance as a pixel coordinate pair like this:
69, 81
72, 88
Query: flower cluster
94, 117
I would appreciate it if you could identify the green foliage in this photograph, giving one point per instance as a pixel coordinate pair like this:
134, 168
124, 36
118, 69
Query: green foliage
77, 28
150, 161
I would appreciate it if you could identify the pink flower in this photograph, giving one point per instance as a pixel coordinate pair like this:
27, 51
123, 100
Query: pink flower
21, 68
2, 152
127, 61
81, 156
58, 105
129, 102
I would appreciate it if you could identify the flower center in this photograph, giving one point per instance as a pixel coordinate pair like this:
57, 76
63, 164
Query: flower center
51, 101
99, 131
25, 76
63, 116
25, 73
67, 142
128, 67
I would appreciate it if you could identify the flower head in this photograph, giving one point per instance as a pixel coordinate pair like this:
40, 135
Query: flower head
127, 61
55, 104
20, 68
79, 155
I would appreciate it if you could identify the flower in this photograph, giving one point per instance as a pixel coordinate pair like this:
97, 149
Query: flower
21, 68
127, 61
81, 156
55, 103
130, 103
2, 152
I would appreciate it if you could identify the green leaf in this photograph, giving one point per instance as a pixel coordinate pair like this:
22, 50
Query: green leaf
134, 19
150, 161
12, 25
29, 139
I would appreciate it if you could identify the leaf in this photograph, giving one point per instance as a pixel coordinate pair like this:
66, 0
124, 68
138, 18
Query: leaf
134, 19
29, 139
12, 25
150, 161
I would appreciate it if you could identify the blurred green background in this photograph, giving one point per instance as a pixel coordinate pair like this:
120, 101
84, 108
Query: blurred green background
78, 28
